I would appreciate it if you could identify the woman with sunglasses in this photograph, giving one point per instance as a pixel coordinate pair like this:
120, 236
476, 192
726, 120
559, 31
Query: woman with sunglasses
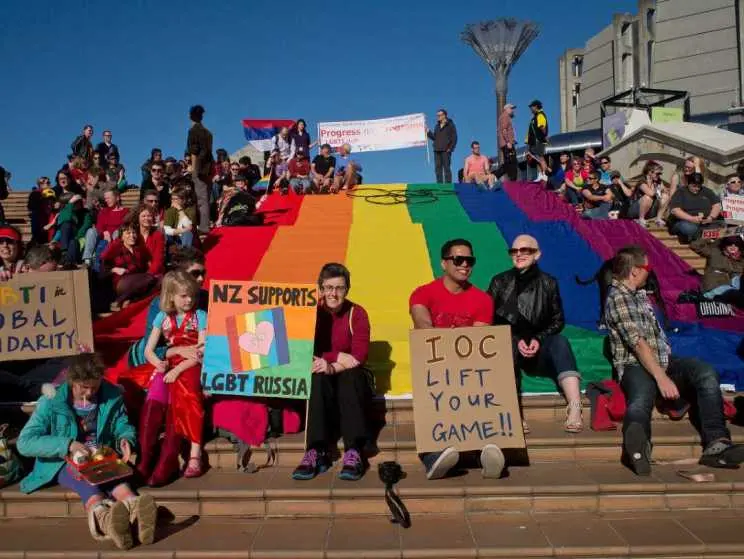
573, 183
733, 187
11, 252
528, 300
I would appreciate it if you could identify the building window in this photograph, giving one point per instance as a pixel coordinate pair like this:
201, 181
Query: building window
651, 20
627, 35
627, 71
575, 94
650, 63
577, 64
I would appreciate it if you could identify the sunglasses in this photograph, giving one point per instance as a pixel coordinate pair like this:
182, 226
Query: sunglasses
522, 251
646, 267
469, 261
198, 273
734, 181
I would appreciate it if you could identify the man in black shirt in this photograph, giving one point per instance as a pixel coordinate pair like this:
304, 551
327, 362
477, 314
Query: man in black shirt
693, 208
82, 146
323, 168
158, 183
106, 148
444, 137
199, 147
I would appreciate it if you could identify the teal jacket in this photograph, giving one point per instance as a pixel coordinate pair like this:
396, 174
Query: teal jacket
53, 426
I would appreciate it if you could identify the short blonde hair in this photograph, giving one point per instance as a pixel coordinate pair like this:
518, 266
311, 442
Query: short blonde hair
172, 283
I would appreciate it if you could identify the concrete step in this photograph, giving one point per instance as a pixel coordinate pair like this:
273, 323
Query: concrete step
579, 487
446, 536
547, 442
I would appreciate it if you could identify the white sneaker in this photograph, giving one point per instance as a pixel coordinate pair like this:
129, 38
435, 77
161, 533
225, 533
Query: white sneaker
492, 461
642, 223
443, 463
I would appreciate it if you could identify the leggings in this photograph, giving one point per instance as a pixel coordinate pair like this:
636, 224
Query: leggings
85, 490
134, 286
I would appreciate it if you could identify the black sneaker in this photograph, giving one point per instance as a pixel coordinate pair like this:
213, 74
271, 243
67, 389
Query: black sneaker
312, 464
723, 454
637, 450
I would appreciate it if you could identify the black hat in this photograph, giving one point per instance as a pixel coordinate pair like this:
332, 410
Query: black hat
240, 178
536, 103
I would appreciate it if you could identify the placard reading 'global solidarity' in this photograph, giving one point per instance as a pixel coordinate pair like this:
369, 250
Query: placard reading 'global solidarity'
464, 394
260, 339
44, 314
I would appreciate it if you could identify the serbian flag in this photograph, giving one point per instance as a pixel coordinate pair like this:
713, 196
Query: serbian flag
259, 132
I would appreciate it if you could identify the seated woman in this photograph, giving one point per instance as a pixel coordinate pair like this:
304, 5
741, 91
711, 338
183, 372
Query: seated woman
340, 385
723, 268
11, 252
179, 221
84, 412
597, 199
152, 238
573, 182
693, 208
648, 195
126, 259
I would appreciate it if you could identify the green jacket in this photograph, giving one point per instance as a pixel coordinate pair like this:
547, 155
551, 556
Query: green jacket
53, 426
82, 219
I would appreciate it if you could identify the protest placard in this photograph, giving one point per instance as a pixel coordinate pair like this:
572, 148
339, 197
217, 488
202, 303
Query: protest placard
44, 314
260, 339
733, 207
464, 393
722, 232
381, 134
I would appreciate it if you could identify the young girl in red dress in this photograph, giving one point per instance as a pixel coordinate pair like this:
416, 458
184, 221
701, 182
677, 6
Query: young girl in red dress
174, 393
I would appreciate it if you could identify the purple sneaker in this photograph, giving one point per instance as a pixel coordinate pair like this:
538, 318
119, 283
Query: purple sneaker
353, 466
312, 464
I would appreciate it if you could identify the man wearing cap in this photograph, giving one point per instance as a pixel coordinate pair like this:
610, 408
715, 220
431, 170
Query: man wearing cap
444, 137
299, 172
199, 147
537, 138
507, 144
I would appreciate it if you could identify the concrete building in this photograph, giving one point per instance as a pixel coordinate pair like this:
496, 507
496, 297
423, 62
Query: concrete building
684, 45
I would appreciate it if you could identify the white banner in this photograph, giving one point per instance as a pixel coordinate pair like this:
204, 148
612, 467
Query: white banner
397, 132
733, 207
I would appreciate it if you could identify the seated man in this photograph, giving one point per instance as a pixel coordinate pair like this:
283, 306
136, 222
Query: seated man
451, 302
299, 172
642, 358
724, 266
323, 168
348, 171
693, 207
597, 199
477, 168
528, 300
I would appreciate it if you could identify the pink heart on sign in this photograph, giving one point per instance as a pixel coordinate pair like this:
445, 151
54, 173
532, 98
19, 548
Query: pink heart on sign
260, 341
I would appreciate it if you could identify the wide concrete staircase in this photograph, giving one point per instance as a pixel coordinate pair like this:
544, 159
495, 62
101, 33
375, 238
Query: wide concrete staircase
573, 500
695, 261
16, 212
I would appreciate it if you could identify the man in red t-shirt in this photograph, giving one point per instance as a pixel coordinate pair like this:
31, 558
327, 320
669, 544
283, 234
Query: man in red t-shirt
453, 302
299, 172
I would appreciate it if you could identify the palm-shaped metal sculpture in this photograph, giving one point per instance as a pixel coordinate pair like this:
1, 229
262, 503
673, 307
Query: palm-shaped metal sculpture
500, 43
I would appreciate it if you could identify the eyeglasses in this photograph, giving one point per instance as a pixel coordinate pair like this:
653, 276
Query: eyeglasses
522, 251
333, 288
646, 267
157, 171
468, 261
198, 273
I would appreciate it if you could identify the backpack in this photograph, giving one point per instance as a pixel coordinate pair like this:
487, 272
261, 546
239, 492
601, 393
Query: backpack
241, 211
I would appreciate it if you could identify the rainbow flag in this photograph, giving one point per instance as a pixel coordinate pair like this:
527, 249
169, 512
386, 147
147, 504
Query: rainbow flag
257, 340
259, 132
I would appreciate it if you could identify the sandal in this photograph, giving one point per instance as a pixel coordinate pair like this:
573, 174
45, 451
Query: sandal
573, 426
194, 467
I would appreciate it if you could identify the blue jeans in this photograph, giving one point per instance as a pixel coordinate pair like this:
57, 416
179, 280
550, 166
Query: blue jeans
721, 289
554, 358
300, 185
698, 383
69, 243
91, 240
685, 229
573, 196
184, 239
600, 212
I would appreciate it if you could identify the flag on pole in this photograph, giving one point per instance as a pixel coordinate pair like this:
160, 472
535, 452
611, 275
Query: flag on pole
259, 132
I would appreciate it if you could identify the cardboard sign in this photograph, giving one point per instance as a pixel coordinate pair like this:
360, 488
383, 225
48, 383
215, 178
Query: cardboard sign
667, 114
714, 309
44, 314
260, 339
464, 393
733, 207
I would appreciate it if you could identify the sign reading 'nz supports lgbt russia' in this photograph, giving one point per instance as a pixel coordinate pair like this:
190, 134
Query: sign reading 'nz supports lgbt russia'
260, 339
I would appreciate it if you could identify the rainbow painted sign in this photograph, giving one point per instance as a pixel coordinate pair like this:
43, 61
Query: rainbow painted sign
260, 339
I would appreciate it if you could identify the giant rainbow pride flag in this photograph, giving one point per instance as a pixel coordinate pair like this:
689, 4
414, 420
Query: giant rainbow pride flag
393, 248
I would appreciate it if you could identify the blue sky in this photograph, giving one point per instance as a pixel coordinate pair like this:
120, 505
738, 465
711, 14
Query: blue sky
136, 66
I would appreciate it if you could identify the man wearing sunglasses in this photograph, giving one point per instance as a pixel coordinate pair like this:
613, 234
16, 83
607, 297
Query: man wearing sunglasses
642, 359
451, 301
528, 300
